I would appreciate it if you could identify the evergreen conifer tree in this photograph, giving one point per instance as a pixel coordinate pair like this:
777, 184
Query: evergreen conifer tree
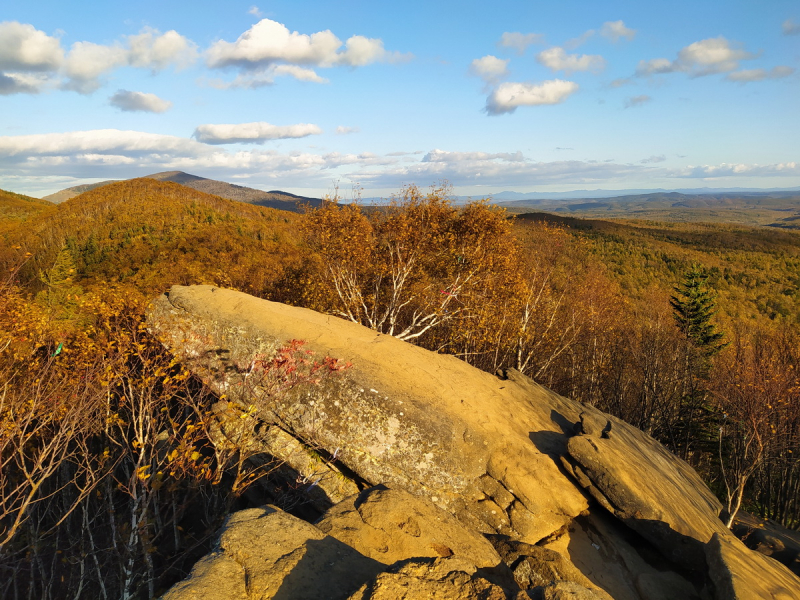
694, 306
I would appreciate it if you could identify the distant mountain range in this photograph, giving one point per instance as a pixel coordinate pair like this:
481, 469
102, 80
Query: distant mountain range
588, 194
272, 199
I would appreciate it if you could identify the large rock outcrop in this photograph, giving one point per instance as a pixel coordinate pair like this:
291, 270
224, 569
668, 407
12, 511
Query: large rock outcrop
502, 454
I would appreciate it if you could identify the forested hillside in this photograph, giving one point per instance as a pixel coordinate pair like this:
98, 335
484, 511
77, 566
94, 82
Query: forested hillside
690, 332
15, 208
151, 234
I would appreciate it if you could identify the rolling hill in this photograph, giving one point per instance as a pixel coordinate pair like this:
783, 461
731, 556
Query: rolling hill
271, 199
779, 209
152, 233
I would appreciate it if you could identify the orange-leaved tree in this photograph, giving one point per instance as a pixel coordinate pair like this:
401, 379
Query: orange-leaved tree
410, 267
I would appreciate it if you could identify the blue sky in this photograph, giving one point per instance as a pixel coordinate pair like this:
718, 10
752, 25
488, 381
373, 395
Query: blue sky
306, 96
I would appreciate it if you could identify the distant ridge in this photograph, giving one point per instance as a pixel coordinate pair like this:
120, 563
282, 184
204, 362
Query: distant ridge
271, 199
604, 194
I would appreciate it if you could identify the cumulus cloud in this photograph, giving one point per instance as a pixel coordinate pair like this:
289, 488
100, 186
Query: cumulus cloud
27, 53
790, 27
28, 57
489, 68
150, 49
344, 130
750, 75
252, 133
706, 57
558, 60
519, 41
87, 62
25, 48
714, 55
268, 44
507, 97
615, 30
21, 83
653, 159
254, 10
139, 102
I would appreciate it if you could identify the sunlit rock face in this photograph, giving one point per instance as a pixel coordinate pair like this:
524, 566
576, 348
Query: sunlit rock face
350, 408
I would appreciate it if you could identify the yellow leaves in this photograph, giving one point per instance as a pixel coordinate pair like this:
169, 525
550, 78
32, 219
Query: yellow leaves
142, 473
251, 410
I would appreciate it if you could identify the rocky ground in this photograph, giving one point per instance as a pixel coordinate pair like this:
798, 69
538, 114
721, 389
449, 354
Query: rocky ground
436, 480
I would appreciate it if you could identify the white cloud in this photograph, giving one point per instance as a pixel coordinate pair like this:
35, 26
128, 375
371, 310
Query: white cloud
519, 41
637, 101
344, 130
25, 48
500, 169
112, 142
22, 83
714, 55
139, 102
442, 156
48, 162
87, 62
750, 75
254, 10
266, 77
268, 48
113, 154
489, 68
558, 60
25, 52
614, 30
620, 82
706, 57
361, 51
790, 27
653, 159
655, 66
738, 170
508, 96
252, 133
150, 49
28, 58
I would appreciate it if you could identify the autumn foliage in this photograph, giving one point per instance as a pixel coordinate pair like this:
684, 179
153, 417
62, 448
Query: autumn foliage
112, 478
